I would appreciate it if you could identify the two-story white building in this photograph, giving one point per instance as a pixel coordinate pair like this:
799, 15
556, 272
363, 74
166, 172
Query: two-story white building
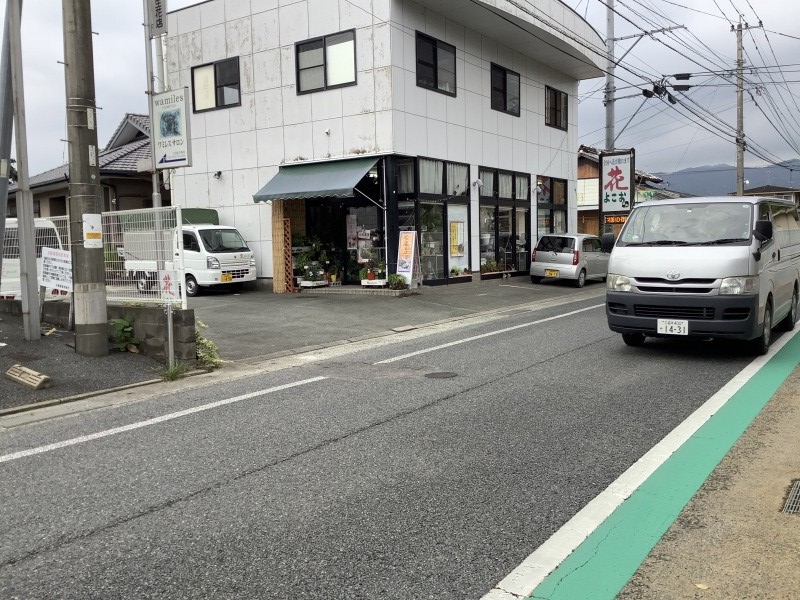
348, 121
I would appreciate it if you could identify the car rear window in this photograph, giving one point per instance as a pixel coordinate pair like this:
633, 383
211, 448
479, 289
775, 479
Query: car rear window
555, 243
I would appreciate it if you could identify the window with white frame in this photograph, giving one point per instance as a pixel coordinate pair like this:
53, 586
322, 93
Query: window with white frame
505, 90
326, 62
216, 85
555, 109
436, 65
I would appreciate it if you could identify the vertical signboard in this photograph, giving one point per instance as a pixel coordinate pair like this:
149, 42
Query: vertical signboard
157, 17
171, 130
407, 258
617, 187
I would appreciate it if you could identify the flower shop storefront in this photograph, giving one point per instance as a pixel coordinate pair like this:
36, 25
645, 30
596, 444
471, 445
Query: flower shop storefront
339, 222
328, 223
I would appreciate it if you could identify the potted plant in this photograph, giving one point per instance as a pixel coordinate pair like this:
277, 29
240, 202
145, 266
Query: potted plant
396, 282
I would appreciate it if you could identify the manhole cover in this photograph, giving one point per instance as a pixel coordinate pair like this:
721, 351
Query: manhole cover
443, 375
793, 501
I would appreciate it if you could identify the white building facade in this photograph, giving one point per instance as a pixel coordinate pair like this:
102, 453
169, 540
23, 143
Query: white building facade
356, 119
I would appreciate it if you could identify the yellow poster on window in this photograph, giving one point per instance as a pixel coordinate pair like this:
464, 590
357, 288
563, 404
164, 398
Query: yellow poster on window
456, 238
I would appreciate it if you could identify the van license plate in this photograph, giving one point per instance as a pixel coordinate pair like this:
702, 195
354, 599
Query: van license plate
551, 272
672, 327
226, 278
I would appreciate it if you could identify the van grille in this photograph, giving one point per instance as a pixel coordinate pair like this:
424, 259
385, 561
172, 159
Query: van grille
658, 280
674, 290
674, 312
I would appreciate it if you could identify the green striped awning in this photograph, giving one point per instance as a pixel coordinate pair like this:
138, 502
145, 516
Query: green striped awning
316, 180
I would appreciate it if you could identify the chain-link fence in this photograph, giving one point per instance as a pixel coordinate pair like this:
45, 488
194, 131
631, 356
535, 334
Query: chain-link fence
144, 256
51, 232
142, 252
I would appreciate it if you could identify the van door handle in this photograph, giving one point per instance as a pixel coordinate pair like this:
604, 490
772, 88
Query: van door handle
774, 254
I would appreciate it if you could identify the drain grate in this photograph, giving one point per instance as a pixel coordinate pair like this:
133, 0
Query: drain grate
441, 375
793, 501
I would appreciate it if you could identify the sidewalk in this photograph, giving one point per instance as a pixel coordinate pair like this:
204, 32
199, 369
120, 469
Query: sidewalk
730, 541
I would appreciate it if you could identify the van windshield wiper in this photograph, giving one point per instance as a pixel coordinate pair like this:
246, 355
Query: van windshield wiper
723, 241
659, 243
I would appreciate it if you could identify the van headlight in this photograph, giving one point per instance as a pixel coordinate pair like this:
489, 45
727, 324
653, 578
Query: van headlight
618, 283
736, 286
212, 262
253, 262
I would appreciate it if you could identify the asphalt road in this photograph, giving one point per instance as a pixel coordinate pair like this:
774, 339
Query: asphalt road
425, 465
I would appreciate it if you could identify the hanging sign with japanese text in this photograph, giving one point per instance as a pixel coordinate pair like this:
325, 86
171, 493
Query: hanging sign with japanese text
617, 181
171, 136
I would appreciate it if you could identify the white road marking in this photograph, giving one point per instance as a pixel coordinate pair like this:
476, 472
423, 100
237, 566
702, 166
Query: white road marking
485, 335
524, 579
153, 421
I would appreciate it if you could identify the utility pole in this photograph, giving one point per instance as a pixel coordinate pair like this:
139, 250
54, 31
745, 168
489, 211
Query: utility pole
608, 97
611, 63
6, 124
740, 143
88, 266
27, 233
739, 111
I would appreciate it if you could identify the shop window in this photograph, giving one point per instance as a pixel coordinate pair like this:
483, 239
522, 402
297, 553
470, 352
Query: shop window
326, 62
555, 110
522, 240
487, 182
457, 176
457, 240
505, 90
431, 176
405, 176
436, 65
431, 219
216, 85
522, 187
487, 231
559, 191
505, 185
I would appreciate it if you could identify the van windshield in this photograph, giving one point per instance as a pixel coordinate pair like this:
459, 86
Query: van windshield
223, 240
700, 224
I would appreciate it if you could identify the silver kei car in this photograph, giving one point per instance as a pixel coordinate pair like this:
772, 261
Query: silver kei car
572, 256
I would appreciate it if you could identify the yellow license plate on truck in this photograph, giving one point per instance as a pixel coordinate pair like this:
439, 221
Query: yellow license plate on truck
226, 278
551, 272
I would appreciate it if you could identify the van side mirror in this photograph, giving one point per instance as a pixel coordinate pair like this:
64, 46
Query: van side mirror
607, 242
763, 231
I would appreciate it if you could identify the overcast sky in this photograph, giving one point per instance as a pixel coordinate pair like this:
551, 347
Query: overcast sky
664, 136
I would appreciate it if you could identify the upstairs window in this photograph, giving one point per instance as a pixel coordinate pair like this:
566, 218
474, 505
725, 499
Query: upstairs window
216, 85
436, 65
326, 62
555, 109
505, 90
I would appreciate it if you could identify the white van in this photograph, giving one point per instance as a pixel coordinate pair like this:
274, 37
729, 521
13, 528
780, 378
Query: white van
721, 267
46, 236
213, 255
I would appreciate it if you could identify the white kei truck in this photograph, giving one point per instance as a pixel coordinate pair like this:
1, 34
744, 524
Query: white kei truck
213, 255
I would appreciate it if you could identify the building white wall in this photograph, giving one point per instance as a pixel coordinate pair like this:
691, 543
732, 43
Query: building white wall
386, 112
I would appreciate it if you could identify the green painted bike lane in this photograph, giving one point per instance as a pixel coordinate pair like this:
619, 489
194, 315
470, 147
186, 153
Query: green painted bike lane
601, 566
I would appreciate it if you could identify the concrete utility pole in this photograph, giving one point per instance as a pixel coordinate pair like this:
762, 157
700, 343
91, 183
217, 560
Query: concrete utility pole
739, 111
6, 125
740, 143
608, 97
88, 267
28, 275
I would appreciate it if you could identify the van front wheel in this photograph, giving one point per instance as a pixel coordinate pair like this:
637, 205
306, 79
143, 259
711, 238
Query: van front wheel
760, 345
633, 339
192, 289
